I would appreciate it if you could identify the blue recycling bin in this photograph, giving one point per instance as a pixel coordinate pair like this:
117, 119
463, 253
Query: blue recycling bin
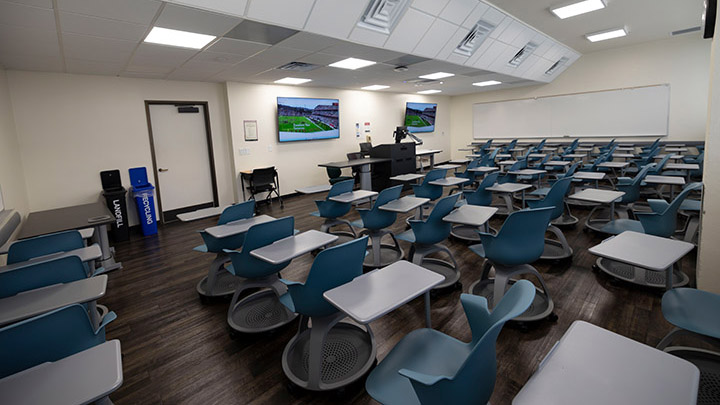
144, 194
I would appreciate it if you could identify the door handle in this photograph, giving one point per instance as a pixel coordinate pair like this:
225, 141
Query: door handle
162, 170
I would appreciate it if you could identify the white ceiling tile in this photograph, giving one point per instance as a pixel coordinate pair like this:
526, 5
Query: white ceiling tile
101, 27
319, 59
489, 56
291, 14
98, 49
33, 43
31, 62
527, 64
544, 47
335, 18
493, 15
78, 66
409, 31
308, 42
238, 47
503, 58
368, 37
193, 20
34, 3
480, 51
475, 15
218, 57
134, 68
457, 11
457, 58
230, 7
435, 38
511, 32
143, 75
432, 7
137, 11
159, 55
26, 16
452, 44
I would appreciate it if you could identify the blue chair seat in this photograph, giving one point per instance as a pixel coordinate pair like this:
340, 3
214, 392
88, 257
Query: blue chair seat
541, 191
691, 205
423, 350
315, 213
478, 249
358, 224
408, 236
692, 310
201, 249
619, 226
674, 173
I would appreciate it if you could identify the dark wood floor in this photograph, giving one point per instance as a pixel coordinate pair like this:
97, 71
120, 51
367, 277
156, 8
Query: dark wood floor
177, 350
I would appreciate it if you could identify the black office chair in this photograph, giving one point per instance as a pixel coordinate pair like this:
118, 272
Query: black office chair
355, 170
365, 148
265, 180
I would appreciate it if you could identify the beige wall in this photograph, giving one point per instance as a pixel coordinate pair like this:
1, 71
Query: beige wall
683, 62
71, 127
12, 178
297, 161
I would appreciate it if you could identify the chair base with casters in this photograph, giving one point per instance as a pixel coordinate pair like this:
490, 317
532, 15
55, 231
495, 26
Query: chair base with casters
567, 218
219, 283
494, 288
344, 352
261, 311
449, 270
469, 233
639, 275
381, 254
331, 222
599, 219
556, 249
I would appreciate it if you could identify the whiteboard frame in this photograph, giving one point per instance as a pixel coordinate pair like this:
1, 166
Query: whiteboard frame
580, 93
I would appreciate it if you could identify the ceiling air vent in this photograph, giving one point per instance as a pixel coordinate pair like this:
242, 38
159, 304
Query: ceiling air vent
298, 67
474, 38
523, 54
382, 15
557, 65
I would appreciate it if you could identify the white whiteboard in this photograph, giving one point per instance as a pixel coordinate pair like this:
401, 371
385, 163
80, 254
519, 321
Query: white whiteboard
640, 111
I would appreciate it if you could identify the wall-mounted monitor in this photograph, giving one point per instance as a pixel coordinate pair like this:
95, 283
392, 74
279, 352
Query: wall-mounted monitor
307, 119
420, 117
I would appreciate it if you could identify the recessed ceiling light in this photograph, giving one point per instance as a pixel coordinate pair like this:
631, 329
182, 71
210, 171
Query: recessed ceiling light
352, 63
429, 91
435, 76
602, 36
292, 80
487, 83
375, 87
183, 39
571, 10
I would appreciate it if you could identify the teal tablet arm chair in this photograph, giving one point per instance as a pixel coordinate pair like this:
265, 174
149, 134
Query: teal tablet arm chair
26, 249
429, 367
331, 211
558, 248
375, 223
219, 282
479, 196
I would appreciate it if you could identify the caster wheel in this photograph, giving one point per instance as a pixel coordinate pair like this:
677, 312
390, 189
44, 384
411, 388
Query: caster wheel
614, 282
523, 327
595, 268
458, 286
234, 335
552, 317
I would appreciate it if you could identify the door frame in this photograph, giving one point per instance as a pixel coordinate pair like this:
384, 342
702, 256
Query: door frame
211, 155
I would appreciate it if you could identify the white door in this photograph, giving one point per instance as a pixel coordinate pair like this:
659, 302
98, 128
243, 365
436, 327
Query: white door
182, 158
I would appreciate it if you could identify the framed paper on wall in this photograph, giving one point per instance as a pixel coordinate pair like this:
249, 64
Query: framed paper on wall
250, 127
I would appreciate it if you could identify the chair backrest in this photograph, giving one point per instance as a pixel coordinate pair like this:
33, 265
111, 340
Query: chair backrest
474, 381
43, 274
434, 229
572, 169
521, 240
341, 187
642, 174
238, 211
26, 249
354, 155
659, 165
375, 218
573, 145
334, 209
480, 196
541, 145
632, 190
365, 148
512, 144
555, 198
47, 337
245, 265
426, 190
331, 268
333, 172
664, 223
262, 177
9, 226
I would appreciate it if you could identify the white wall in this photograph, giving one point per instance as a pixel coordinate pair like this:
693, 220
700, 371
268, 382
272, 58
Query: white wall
71, 127
12, 178
297, 162
683, 62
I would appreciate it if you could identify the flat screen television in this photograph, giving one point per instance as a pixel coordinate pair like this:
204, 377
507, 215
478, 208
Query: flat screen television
307, 119
420, 117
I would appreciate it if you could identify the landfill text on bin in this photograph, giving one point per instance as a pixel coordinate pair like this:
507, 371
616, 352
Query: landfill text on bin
118, 213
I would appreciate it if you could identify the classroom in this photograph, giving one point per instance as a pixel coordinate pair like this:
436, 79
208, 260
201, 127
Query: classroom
359, 202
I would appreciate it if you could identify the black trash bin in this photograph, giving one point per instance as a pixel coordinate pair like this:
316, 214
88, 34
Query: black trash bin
114, 194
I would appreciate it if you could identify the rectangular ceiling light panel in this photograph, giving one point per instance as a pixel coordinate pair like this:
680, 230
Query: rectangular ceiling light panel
436, 76
352, 63
429, 91
605, 35
474, 38
487, 83
523, 54
183, 39
383, 15
375, 87
571, 10
292, 80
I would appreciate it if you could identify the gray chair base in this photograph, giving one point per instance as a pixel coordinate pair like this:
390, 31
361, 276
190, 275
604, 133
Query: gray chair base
566, 219
508, 207
260, 311
380, 254
330, 222
708, 362
329, 355
691, 229
450, 271
639, 275
596, 223
556, 249
468, 233
219, 282
493, 289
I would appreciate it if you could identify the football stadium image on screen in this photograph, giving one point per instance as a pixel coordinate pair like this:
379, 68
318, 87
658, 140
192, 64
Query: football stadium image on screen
420, 117
301, 119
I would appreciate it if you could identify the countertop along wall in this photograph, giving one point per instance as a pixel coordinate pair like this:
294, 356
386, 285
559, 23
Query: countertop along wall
297, 162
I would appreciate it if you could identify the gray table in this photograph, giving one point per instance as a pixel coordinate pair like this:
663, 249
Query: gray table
537, 155
593, 176
645, 251
459, 161
96, 215
82, 378
503, 156
675, 150
625, 148
614, 166
576, 155
86, 254
374, 294
484, 169
35, 302
686, 167
365, 168
406, 204
509, 189
600, 197
449, 181
593, 366
447, 167
408, 177
672, 181
236, 227
427, 152
314, 189
563, 163
472, 215
353, 196
291, 247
